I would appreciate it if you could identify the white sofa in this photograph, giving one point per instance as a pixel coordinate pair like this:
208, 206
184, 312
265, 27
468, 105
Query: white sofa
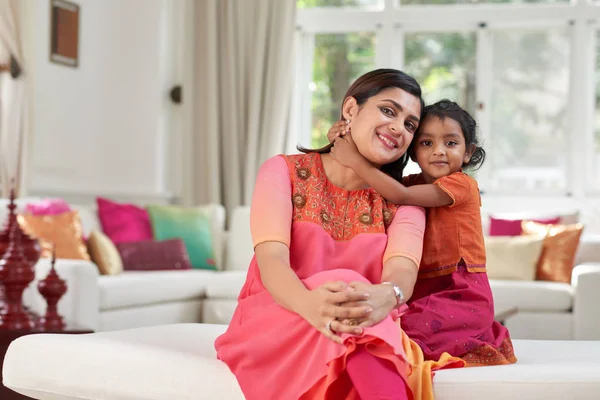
177, 362
131, 299
547, 310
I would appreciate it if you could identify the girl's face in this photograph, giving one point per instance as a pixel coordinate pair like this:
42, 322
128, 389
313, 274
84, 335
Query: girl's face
384, 125
440, 148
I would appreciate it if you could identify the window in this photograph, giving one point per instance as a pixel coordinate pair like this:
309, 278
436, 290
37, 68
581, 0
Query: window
338, 61
444, 65
516, 65
530, 90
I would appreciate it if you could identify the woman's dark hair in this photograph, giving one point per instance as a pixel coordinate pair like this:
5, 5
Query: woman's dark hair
369, 85
448, 109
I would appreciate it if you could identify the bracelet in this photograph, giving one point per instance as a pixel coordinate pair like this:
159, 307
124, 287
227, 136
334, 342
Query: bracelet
397, 292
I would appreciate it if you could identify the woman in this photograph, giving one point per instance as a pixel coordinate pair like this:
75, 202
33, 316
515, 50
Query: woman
317, 317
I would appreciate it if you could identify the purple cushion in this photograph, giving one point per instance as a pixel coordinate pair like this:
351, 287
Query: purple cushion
150, 255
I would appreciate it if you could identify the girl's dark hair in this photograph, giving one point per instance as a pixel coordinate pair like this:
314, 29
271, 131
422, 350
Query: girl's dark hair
369, 85
448, 109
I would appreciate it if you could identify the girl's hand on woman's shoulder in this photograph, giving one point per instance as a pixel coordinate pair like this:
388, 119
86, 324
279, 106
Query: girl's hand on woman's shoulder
345, 152
338, 129
327, 305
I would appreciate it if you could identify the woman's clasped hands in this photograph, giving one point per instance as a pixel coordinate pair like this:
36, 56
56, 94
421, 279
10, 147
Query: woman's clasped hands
335, 308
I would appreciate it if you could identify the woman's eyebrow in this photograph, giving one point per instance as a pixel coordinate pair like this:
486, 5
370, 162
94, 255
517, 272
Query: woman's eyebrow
399, 108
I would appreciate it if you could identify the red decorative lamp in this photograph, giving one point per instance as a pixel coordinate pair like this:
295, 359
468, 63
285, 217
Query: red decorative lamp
16, 273
29, 246
52, 288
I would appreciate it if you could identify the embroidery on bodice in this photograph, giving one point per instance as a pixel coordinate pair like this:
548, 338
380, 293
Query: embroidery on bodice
343, 214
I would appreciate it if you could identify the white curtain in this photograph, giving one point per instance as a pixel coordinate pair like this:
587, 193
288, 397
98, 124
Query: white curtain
12, 101
241, 101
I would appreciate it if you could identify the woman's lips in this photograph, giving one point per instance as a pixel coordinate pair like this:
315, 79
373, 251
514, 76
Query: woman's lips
389, 141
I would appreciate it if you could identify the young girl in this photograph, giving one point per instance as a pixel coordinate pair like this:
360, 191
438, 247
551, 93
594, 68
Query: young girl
451, 309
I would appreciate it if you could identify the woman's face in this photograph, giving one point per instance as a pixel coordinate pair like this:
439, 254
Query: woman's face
384, 125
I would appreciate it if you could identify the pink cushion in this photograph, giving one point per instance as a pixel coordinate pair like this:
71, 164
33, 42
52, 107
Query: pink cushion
512, 227
123, 222
47, 207
152, 255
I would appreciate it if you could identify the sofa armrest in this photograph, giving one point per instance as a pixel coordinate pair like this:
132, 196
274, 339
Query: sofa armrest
586, 281
80, 304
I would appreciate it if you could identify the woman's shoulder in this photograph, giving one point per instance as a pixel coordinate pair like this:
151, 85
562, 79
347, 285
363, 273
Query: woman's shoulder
292, 161
303, 165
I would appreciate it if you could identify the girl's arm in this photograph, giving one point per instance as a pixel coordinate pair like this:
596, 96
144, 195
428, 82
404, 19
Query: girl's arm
426, 195
345, 152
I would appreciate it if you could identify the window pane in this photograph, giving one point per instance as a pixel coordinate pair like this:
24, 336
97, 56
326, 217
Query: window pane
379, 4
479, 1
530, 84
444, 65
339, 60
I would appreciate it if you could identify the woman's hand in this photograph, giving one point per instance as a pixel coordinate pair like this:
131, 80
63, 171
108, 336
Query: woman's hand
326, 306
339, 129
382, 300
345, 152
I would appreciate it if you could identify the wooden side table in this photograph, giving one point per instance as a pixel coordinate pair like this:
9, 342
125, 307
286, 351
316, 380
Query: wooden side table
6, 338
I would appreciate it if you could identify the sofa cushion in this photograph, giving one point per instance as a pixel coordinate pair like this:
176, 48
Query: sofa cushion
512, 257
226, 285
123, 222
154, 255
61, 233
180, 362
192, 224
47, 206
104, 254
560, 248
136, 288
512, 227
532, 295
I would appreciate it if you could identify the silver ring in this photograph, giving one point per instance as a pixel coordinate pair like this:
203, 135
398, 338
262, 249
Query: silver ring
328, 326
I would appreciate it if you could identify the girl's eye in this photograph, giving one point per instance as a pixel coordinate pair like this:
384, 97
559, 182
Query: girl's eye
451, 143
426, 143
387, 111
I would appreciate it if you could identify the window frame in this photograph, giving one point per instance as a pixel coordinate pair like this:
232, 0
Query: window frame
392, 22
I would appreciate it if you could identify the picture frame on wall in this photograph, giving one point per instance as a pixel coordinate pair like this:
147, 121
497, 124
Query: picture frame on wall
64, 32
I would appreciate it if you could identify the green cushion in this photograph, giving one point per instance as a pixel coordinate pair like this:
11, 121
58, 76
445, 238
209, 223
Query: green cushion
190, 224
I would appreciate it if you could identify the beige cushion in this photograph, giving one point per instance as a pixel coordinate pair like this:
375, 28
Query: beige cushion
512, 257
104, 254
180, 364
